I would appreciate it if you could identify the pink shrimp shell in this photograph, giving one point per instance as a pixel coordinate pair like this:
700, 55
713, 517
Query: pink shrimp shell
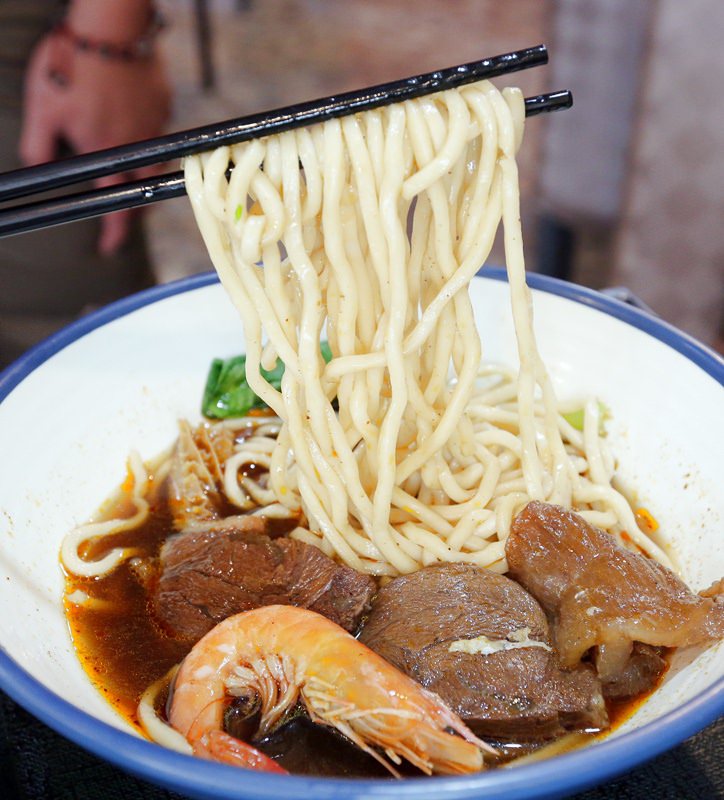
283, 653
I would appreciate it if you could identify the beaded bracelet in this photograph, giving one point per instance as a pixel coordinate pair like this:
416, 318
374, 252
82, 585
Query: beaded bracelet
138, 50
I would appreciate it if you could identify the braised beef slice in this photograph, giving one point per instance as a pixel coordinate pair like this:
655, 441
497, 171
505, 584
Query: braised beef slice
209, 573
642, 671
600, 595
514, 694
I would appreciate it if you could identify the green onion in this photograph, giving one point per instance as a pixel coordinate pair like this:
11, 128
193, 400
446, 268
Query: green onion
575, 418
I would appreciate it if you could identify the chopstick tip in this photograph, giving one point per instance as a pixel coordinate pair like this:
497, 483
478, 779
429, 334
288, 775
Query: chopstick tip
546, 103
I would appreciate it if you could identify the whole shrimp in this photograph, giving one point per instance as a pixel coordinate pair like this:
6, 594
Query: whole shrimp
283, 653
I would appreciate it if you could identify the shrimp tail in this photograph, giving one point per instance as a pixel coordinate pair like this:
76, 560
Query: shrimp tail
400, 733
219, 746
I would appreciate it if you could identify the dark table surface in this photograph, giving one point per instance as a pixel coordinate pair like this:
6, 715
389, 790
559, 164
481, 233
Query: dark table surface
36, 763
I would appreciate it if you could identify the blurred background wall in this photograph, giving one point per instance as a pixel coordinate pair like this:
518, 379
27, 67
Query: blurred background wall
670, 234
626, 188
269, 53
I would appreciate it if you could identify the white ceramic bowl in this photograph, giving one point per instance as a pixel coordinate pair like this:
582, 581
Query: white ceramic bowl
72, 408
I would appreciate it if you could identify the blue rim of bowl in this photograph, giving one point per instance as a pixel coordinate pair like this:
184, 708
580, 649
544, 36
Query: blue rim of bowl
552, 778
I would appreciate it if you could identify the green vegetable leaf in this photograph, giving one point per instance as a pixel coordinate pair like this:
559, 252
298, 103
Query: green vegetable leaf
227, 392
238, 212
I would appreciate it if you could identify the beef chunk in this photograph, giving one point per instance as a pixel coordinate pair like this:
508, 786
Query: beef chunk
642, 670
211, 572
600, 595
430, 625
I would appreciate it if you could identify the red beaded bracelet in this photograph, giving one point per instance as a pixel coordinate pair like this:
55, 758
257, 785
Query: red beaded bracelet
138, 50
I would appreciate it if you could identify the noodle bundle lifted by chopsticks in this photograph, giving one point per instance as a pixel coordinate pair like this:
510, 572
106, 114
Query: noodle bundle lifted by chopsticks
372, 227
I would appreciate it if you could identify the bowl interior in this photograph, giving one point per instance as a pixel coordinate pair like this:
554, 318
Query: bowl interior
68, 426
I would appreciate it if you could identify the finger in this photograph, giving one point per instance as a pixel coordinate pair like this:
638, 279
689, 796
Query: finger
41, 120
38, 139
114, 227
38, 136
114, 232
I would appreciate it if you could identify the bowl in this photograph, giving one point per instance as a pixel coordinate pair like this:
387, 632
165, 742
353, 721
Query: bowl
72, 408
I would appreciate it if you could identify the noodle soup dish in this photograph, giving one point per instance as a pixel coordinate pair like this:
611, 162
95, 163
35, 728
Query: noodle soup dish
120, 380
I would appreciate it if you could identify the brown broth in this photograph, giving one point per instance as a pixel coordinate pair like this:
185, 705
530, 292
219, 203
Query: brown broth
124, 651
621, 710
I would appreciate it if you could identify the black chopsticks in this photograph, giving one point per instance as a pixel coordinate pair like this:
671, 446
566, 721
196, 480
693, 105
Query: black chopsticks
24, 182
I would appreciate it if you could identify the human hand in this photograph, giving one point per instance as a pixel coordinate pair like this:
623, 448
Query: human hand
91, 103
